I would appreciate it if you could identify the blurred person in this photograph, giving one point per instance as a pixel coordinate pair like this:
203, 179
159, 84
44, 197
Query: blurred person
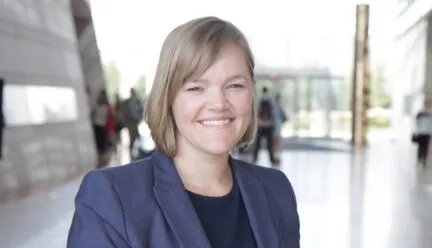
422, 135
280, 119
103, 127
119, 116
190, 192
266, 125
111, 125
133, 117
2, 117
119, 125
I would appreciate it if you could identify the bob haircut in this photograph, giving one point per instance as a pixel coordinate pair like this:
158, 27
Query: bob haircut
187, 52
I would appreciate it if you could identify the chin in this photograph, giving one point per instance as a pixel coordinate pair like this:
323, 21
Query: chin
217, 149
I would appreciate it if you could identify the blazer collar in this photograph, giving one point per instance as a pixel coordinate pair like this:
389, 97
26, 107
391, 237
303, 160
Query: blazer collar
257, 205
176, 205
180, 213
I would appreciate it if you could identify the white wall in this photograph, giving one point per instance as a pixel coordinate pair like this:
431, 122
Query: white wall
408, 62
38, 47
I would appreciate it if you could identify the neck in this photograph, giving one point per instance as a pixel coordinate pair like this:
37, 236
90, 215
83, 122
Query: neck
204, 174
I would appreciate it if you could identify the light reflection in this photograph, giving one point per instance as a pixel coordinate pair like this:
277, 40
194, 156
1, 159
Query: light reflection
36, 105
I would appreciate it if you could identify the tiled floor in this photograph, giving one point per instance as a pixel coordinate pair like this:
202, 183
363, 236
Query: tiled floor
378, 199
39, 221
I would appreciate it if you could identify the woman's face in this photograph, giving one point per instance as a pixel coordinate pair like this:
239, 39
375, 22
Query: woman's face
214, 111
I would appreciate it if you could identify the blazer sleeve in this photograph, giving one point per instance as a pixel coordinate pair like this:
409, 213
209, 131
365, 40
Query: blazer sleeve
98, 221
291, 198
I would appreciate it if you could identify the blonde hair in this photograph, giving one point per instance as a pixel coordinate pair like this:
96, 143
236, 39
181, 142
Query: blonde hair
188, 51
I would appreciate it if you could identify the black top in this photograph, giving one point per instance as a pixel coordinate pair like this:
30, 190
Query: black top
224, 219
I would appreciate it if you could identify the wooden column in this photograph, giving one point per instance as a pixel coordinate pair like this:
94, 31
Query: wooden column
360, 80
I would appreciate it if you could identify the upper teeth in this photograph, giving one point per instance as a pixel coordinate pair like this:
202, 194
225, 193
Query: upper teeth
216, 122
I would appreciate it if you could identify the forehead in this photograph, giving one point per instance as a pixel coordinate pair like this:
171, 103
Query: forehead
230, 64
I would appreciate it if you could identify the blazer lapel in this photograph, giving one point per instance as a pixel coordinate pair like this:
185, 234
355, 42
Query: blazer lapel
257, 206
175, 204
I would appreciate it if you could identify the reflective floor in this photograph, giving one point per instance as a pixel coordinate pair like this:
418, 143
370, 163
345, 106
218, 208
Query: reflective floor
376, 199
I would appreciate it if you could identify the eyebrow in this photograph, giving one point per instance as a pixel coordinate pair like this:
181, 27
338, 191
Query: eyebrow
235, 77
229, 79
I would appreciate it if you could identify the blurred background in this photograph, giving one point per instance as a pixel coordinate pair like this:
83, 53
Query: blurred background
352, 76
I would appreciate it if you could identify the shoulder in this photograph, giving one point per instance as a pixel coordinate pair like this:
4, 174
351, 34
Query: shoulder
275, 182
264, 174
119, 181
106, 199
135, 170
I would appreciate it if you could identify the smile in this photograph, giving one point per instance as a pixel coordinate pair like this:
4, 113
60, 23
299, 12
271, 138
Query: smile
216, 123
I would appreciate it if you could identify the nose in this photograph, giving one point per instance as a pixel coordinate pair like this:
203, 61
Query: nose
218, 100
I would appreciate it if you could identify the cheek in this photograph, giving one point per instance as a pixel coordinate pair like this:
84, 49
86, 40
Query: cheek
177, 111
184, 109
243, 105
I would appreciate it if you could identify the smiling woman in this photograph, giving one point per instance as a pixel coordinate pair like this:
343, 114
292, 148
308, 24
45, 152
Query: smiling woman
213, 112
186, 60
190, 192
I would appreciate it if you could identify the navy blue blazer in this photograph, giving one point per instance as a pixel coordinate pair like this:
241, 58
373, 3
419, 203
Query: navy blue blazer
145, 205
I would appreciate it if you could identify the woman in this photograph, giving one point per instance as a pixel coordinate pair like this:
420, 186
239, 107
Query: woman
190, 192
103, 127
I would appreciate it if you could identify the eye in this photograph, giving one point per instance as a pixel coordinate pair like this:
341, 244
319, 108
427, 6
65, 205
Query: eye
236, 86
194, 89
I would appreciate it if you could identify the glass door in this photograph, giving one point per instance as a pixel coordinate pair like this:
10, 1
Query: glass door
340, 111
306, 102
319, 108
287, 88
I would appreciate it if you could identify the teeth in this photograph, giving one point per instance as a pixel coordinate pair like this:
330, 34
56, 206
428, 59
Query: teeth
216, 122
